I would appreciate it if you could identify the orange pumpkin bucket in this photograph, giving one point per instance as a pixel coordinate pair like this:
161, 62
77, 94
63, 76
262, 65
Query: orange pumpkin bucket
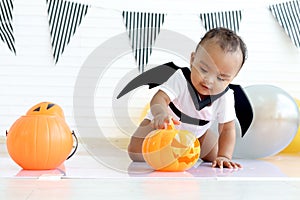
40, 142
170, 149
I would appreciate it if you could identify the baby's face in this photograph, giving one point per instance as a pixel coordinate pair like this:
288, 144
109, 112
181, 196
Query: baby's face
212, 69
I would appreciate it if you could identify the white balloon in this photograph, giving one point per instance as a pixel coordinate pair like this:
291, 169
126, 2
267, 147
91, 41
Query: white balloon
275, 122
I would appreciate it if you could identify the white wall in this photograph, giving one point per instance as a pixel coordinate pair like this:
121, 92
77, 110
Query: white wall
31, 76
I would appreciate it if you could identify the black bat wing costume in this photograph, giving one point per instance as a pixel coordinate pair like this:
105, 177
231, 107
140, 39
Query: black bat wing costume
158, 75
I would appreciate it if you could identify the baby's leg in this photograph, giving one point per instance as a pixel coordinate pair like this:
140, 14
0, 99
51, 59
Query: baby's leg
209, 146
136, 141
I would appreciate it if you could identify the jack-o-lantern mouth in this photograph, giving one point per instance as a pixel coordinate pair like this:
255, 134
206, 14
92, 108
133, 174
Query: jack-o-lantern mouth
187, 159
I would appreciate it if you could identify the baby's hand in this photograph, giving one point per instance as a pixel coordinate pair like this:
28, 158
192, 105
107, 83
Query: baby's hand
225, 162
160, 121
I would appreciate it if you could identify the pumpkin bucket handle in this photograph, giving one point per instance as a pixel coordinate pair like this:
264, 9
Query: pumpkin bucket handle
76, 146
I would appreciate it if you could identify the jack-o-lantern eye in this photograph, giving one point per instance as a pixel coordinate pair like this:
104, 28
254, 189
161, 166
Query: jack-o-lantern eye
49, 105
46, 108
171, 149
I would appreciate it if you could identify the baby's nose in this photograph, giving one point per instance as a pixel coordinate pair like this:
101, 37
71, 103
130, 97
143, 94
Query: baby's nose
209, 79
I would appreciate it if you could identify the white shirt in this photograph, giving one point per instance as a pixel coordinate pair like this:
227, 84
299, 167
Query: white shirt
221, 110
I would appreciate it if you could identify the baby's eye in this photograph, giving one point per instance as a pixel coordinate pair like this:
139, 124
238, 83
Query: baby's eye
220, 79
203, 70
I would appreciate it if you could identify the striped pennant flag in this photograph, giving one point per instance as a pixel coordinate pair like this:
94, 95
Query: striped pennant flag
6, 29
142, 28
226, 19
288, 16
64, 18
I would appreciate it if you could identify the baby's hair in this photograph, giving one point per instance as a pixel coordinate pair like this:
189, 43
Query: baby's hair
227, 39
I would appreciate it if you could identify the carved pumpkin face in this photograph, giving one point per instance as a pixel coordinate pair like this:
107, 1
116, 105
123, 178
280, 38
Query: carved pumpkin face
46, 108
170, 149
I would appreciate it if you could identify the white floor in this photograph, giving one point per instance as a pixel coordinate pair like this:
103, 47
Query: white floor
85, 176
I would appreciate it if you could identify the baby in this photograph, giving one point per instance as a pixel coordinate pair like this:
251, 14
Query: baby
217, 59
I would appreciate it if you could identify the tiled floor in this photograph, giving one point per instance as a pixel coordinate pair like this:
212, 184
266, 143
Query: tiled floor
85, 176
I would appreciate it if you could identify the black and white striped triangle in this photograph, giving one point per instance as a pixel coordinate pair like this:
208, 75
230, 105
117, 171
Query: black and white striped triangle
143, 29
64, 18
6, 29
226, 19
288, 16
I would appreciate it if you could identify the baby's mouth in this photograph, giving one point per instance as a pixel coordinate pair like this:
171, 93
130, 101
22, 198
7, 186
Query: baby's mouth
205, 87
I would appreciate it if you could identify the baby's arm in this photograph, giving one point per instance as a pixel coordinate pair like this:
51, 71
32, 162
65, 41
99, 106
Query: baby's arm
159, 109
226, 146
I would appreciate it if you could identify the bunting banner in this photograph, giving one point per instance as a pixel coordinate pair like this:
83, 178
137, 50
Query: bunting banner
64, 18
6, 29
226, 19
288, 16
143, 29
